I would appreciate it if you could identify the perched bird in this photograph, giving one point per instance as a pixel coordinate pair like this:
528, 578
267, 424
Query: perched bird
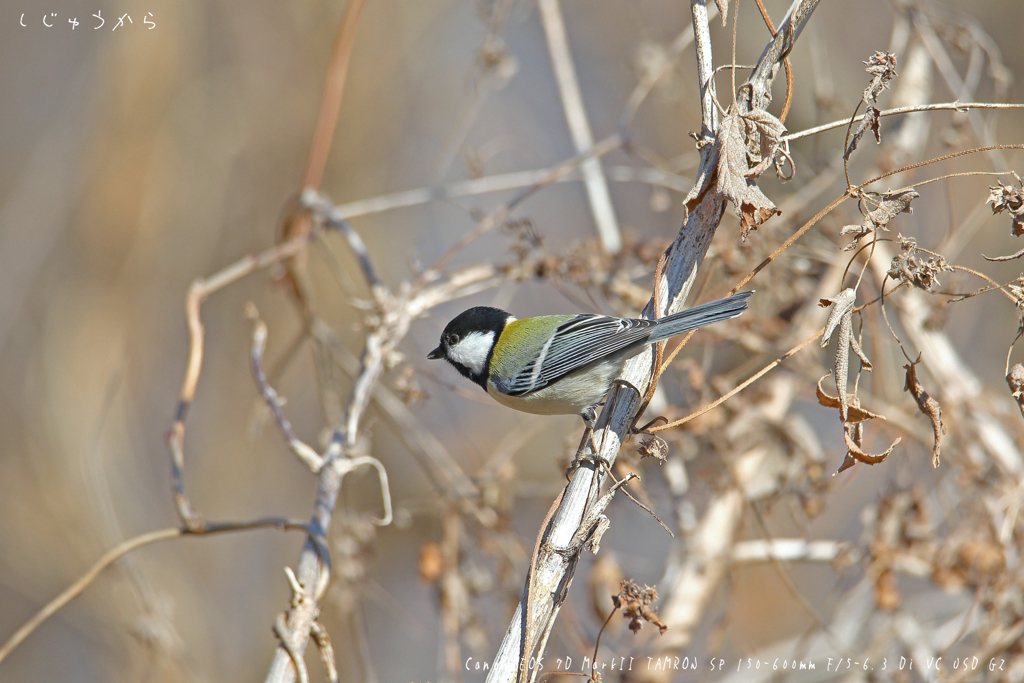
560, 364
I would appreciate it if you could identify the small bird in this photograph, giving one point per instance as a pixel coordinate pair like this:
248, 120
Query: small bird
560, 364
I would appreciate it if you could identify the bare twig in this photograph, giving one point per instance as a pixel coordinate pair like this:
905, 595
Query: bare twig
197, 293
442, 468
502, 182
758, 87
334, 88
497, 216
323, 135
395, 316
284, 638
740, 387
312, 574
323, 643
785, 62
928, 162
125, 547
309, 457
944, 106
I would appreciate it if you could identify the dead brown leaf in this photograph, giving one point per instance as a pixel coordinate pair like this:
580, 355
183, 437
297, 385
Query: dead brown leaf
882, 66
431, 562
1015, 378
910, 266
928, 405
892, 203
888, 205
636, 604
848, 462
854, 446
887, 596
843, 303
854, 412
653, 447
842, 316
764, 139
869, 122
747, 145
723, 9
1010, 199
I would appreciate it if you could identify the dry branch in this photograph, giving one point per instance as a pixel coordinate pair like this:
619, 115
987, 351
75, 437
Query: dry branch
558, 554
945, 106
394, 315
202, 288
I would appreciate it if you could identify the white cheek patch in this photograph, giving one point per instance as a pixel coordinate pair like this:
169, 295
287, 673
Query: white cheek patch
472, 351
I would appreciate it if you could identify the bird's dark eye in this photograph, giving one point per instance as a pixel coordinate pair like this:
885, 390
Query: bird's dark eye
452, 339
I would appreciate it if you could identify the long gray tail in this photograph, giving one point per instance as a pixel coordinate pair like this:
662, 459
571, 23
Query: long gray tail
699, 316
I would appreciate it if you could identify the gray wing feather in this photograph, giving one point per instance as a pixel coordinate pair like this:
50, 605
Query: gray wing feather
586, 339
576, 343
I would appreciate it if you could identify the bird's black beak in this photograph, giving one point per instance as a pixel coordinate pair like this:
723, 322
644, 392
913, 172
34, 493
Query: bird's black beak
436, 353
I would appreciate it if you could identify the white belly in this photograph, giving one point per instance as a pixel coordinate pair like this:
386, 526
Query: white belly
569, 395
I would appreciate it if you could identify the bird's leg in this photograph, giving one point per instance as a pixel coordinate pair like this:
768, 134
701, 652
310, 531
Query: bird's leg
587, 436
589, 416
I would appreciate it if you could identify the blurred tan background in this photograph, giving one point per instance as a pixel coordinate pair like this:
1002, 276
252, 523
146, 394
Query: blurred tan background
133, 161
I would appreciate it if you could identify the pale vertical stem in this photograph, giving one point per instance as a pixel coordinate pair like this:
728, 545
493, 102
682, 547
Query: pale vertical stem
576, 116
706, 67
308, 571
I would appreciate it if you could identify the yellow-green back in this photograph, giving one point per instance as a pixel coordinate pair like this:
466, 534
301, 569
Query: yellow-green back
509, 358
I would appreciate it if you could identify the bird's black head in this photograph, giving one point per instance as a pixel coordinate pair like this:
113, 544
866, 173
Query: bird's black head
468, 341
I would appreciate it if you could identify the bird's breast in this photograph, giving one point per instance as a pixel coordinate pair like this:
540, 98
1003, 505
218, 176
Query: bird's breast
567, 396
